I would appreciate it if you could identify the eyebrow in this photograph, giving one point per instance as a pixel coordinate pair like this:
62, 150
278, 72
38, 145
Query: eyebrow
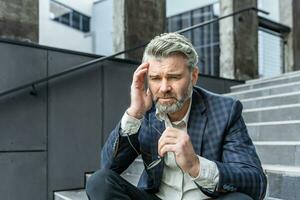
167, 75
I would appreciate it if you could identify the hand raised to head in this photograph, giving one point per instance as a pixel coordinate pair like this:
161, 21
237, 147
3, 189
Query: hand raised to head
141, 98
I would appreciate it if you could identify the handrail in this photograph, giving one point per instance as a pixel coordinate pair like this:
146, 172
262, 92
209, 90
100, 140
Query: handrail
97, 60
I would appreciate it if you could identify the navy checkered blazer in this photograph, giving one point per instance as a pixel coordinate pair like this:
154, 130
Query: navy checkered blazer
217, 132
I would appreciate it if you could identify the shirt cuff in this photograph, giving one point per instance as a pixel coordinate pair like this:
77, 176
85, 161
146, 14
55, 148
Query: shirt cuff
129, 125
208, 176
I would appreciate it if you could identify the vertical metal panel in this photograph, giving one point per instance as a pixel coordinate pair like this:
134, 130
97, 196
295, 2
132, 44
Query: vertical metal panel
59, 61
74, 134
23, 122
20, 65
117, 81
22, 116
23, 176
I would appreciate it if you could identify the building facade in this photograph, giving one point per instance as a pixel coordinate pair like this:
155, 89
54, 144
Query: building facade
66, 24
86, 26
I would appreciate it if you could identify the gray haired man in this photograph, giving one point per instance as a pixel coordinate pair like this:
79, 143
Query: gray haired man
194, 144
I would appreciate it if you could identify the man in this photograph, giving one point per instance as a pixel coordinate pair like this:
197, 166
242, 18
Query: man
194, 144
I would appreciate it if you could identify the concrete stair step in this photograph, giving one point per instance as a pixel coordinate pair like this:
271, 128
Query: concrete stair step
283, 182
259, 83
131, 174
71, 195
136, 168
286, 74
266, 91
275, 131
272, 100
81, 194
273, 113
279, 152
271, 198
131, 178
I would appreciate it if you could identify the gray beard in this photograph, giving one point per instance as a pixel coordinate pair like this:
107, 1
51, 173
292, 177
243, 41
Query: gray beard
168, 109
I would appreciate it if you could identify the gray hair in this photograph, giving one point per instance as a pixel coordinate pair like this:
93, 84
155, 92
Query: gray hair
168, 44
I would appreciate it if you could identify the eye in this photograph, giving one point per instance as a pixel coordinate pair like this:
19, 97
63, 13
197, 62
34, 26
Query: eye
175, 77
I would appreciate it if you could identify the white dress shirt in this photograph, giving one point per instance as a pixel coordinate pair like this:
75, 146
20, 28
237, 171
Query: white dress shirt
176, 184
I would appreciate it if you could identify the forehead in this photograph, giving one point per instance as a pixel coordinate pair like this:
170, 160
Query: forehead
173, 63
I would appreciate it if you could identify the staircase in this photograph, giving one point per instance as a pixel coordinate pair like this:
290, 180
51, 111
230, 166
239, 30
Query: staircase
272, 114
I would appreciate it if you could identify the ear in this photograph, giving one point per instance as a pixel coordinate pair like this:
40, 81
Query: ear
195, 75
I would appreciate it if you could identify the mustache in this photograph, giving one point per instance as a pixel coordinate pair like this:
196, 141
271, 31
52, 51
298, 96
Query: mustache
165, 96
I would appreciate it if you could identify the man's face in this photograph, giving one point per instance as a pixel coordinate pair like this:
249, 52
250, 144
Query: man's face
171, 82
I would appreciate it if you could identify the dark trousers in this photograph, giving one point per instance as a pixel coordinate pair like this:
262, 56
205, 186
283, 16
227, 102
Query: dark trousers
108, 185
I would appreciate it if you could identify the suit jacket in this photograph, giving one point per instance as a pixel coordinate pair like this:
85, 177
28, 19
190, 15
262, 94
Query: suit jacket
217, 132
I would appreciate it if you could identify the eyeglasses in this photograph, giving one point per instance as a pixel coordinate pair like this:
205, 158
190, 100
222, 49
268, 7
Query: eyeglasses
159, 158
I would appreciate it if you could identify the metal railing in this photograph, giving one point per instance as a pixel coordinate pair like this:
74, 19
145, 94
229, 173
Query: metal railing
75, 68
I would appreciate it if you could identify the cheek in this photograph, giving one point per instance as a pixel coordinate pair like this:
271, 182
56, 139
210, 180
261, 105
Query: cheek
153, 88
180, 87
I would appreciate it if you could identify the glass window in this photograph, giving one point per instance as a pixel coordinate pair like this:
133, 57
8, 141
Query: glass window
186, 21
174, 23
76, 20
85, 24
69, 17
205, 39
65, 19
59, 13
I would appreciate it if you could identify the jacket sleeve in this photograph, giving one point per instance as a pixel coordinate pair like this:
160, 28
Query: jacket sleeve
117, 153
240, 168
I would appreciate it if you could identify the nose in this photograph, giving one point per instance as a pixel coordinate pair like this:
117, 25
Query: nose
165, 87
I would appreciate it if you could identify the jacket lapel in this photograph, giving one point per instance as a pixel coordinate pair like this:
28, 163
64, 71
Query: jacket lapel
197, 121
155, 127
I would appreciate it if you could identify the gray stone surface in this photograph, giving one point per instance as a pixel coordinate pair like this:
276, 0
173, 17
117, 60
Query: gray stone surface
272, 100
136, 22
284, 184
19, 20
286, 17
238, 41
278, 131
227, 62
71, 195
268, 114
284, 78
279, 153
23, 175
270, 90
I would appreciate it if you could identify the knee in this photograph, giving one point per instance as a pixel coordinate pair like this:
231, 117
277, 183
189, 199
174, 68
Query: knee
98, 179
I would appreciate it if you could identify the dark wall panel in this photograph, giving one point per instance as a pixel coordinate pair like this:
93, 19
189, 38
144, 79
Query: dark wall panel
59, 61
22, 116
23, 176
117, 81
74, 134
23, 122
216, 85
20, 65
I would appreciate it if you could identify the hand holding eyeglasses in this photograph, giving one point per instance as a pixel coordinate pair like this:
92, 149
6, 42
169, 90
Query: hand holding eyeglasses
177, 141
